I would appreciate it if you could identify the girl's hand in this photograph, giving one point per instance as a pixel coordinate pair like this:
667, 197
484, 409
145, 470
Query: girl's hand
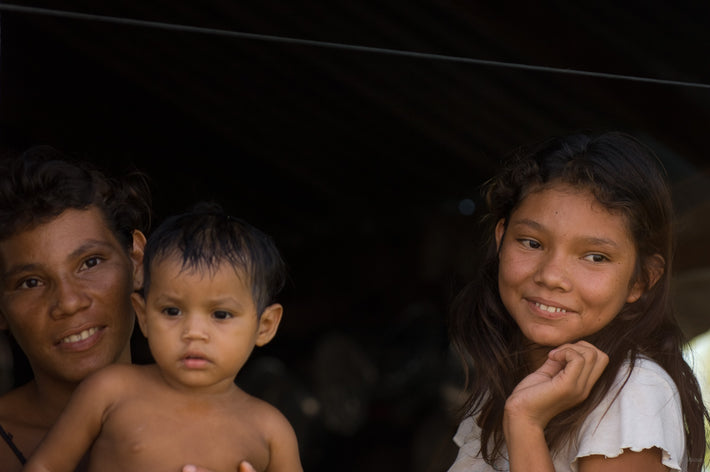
563, 381
244, 466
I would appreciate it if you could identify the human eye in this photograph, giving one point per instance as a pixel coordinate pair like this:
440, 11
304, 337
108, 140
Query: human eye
90, 262
530, 243
222, 315
171, 311
29, 282
597, 258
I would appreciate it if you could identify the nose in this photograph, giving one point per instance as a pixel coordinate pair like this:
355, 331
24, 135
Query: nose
194, 329
70, 297
553, 272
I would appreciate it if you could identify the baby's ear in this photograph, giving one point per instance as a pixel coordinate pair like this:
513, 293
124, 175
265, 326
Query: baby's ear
136, 255
269, 323
139, 306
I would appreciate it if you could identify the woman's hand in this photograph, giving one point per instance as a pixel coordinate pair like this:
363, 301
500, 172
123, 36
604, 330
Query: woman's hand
563, 381
244, 466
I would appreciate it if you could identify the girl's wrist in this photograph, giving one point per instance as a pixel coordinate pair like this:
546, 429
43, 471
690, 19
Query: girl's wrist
527, 447
517, 424
517, 413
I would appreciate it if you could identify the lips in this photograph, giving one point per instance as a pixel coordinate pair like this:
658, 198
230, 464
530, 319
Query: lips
195, 360
85, 334
80, 339
549, 310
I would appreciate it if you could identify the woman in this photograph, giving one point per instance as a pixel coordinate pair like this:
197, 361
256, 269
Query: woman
71, 248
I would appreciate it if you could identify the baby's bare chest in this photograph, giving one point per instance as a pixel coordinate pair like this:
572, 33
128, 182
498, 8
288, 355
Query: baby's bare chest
142, 436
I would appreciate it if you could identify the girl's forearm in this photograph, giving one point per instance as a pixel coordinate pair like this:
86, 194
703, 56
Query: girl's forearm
527, 448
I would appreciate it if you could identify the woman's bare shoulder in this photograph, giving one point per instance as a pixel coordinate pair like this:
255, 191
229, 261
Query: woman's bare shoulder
22, 423
18, 405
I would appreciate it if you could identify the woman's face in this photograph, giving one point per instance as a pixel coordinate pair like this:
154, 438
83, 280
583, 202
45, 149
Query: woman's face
566, 265
65, 296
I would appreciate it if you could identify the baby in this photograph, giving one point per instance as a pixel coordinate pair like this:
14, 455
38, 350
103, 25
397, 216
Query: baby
208, 299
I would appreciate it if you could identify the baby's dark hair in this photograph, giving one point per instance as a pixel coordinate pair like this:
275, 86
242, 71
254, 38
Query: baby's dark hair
40, 183
205, 237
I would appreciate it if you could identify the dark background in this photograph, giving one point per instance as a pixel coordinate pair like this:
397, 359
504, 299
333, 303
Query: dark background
363, 163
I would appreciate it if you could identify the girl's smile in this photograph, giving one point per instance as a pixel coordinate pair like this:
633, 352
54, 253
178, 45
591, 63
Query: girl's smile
566, 265
549, 311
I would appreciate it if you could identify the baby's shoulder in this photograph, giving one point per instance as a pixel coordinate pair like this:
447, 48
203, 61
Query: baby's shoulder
118, 377
266, 417
257, 407
276, 432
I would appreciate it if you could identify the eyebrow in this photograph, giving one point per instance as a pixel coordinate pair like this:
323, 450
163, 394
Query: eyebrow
591, 240
229, 301
86, 247
19, 269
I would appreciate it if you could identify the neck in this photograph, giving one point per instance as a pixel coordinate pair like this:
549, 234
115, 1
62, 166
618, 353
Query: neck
536, 356
48, 398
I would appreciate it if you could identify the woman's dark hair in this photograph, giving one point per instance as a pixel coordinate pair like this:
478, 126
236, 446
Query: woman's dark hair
626, 178
40, 183
205, 236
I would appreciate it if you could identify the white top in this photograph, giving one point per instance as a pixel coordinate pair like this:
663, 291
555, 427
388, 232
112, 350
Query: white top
646, 414
697, 354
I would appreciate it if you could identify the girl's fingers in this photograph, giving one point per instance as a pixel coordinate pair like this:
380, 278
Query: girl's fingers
244, 466
583, 365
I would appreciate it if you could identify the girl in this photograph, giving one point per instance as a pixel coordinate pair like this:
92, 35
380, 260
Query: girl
575, 351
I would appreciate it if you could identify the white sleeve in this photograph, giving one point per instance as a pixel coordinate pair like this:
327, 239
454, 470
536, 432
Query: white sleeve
468, 438
646, 414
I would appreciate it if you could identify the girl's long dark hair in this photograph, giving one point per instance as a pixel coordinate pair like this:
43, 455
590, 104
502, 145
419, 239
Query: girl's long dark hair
626, 177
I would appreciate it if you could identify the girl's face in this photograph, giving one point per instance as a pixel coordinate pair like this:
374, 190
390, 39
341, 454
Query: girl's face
566, 265
65, 294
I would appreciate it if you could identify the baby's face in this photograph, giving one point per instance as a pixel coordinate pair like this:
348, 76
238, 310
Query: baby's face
201, 326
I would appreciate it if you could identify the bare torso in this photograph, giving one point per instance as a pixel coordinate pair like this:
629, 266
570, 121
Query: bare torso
153, 427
